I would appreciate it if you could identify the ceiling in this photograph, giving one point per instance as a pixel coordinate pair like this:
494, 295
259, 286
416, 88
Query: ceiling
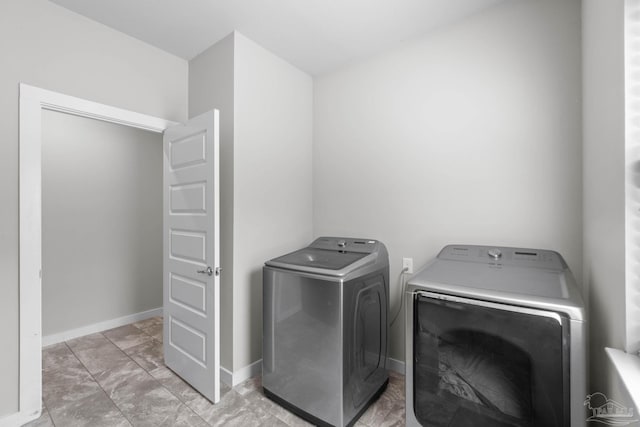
316, 36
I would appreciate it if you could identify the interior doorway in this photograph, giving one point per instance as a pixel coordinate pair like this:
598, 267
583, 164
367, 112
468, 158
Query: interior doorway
32, 103
101, 225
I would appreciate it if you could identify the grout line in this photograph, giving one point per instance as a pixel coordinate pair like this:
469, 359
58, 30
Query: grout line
151, 375
46, 412
96, 381
93, 378
49, 416
399, 376
177, 397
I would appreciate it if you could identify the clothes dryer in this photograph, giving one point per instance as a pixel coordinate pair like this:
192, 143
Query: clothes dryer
495, 337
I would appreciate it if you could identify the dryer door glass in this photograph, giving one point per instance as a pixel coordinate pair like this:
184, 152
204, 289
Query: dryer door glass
478, 364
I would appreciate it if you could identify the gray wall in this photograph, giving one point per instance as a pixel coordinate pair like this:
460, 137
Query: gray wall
211, 83
266, 124
604, 175
272, 179
101, 221
47, 46
471, 134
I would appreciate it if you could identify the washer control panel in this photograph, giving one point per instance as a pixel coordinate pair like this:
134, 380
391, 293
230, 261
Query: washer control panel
345, 244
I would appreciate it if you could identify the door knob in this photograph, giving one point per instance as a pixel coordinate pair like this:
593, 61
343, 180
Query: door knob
208, 271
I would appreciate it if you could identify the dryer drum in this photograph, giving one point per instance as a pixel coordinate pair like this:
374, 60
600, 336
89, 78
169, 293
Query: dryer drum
487, 366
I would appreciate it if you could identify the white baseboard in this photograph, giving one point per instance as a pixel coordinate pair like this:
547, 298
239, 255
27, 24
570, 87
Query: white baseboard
247, 372
10, 420
396, 365
19, 418
99, 327
226, 376
232, 379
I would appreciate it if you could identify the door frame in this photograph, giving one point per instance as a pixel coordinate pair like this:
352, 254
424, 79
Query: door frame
32, 101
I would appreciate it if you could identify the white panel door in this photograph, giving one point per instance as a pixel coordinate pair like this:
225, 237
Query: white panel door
191, 253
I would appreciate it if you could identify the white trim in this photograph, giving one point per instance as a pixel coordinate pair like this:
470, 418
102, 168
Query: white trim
628, 368
30, 355
10, 420
54, 101
226, 376
396, 366
99, 327
247, 372
631, 188
216, 251
32, 101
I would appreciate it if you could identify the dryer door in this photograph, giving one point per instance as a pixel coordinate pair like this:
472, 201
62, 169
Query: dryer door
487, 364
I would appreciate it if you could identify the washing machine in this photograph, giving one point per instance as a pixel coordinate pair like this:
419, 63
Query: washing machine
325, 329
495, 336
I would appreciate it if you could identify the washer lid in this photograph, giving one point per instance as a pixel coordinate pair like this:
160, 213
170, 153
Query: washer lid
337, 257
317, 258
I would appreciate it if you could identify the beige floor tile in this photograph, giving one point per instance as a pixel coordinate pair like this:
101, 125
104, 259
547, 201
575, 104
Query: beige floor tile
65, 385
58, 356
148, 322
95, 410
149, 355
97, 353
127, 336
118, 378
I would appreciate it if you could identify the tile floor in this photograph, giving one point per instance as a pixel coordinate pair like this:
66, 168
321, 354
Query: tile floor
118, 378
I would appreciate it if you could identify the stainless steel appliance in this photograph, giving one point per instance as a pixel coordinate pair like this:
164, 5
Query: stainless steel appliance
495, 337
325, 315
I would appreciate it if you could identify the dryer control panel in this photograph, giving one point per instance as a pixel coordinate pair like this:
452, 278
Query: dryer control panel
517, 257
